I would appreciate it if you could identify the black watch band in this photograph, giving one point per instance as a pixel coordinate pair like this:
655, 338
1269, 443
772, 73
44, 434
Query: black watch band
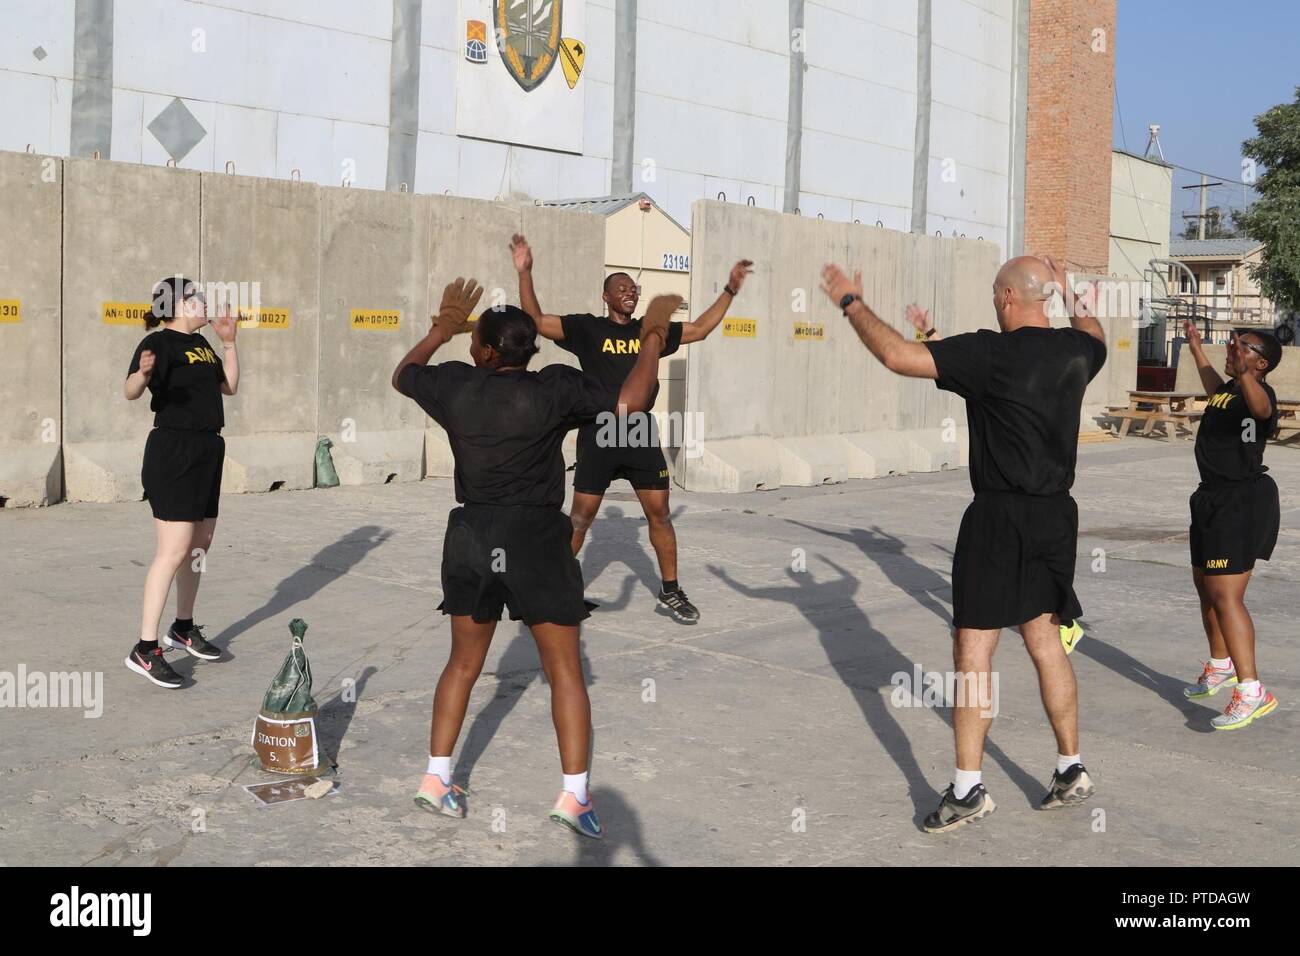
930, 331
848, 300
729, 290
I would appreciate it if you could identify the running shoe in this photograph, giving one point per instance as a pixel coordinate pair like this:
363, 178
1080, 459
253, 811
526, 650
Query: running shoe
677, 602
1071, 634
1210, 681
154, 668
1243, 710
578, 817
954, 813
192, 642
438, 797
1067, 789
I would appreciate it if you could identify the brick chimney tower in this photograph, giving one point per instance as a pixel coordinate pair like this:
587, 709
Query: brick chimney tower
1070, 94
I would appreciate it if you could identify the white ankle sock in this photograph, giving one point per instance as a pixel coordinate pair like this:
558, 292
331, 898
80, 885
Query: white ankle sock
442, 767
576, 784
1222, 665
964, 781
1250, 688
1064, 763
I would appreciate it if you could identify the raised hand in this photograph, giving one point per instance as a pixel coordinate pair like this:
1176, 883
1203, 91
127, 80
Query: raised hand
836, 284
658, 316
226, 326
1058, 273
919, 317
458, 301
738, 272
521, 253
146, 364
1192, 333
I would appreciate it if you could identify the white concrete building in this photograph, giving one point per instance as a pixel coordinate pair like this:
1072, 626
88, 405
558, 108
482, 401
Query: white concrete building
817, 105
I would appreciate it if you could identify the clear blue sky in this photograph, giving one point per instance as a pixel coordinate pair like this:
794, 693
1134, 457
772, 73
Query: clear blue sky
1203, 71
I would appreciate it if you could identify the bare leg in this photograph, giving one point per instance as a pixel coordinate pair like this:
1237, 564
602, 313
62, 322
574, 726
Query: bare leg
1209, 620
582, 514
190, 573
1227, 593
470, 641
570, 709
972, 655
1056, 681
662, 536
174, 539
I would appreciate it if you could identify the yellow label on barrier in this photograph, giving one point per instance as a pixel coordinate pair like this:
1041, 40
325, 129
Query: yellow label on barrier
813, 331
382, 320
1124, 345
126, 313
11, 310
265, 319
740, 328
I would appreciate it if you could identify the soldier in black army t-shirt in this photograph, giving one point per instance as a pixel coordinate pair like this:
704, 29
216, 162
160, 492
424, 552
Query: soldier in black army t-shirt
508, 544
1235, 517
183, 458
606, 348
1013, 565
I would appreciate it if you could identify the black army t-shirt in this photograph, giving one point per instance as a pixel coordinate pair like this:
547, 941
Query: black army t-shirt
185, 386
1230, 440
506, 427
607, 350
1023, 391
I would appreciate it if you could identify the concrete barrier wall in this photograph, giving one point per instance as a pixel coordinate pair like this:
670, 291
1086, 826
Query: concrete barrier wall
785, 393
260, 239
334, 284
31, 210
124, 228
374, 255
470, 237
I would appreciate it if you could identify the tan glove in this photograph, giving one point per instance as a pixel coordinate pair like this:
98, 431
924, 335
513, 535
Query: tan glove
458, 301
658, 316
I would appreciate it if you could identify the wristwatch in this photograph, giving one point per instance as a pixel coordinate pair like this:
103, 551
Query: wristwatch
848, 300
930, 331
729, 290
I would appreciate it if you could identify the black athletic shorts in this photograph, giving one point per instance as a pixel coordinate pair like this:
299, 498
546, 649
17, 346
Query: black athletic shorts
511, 556
1014, 560
181, 473
645, 469
1234, 525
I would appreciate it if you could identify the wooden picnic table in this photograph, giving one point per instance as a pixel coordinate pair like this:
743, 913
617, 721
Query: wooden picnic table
1171, 410
1288, 418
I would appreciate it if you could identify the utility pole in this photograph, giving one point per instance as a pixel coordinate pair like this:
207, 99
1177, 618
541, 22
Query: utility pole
1203, 186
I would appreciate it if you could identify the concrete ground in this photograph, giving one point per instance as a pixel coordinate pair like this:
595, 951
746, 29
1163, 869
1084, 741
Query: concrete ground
767, 734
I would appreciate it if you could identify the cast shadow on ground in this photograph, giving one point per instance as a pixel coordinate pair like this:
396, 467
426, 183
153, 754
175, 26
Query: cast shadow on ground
518, 667
325, 567
622, 826
1170, 689
616, 536
865, 661
336, 715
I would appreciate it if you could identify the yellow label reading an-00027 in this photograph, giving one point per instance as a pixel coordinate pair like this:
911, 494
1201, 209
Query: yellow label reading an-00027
740, 328
813, 331
265, 319
382, 320
126, 313
11, 310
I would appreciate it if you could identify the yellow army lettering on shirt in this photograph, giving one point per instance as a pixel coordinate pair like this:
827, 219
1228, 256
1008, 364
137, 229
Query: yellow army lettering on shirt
1221, 399
622, 346
1215, 563
201, 355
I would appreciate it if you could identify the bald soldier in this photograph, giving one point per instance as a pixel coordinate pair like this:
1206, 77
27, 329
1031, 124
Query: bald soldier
1013, 565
